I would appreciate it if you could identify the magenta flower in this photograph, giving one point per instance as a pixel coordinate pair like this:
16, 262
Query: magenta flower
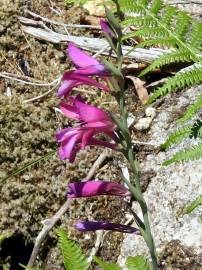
72, 79
86, 226
86, 66
95, 188
93, 121
106, 28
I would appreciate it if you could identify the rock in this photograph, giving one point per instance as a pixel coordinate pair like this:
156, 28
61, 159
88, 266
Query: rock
150, 112
170, 190
143, 123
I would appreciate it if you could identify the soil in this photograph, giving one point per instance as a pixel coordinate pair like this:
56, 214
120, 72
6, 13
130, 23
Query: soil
27, 133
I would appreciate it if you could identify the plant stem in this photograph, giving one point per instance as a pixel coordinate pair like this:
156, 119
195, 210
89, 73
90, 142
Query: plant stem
136, 190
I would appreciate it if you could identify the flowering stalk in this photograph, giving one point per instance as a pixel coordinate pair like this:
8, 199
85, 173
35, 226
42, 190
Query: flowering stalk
93, 122
128, 148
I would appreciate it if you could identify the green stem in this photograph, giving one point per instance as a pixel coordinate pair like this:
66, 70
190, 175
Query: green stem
126, 142
136, 190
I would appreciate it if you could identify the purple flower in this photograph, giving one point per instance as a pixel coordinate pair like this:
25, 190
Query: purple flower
86, 226
94, 121
95, 188
86, 66
72, 79
106, 28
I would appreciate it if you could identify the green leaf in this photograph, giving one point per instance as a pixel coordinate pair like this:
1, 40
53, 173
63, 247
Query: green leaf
106, 265
26, 166
30, 268
113, 21
177, 136
112, 68
197, 202
73, 258
177, 56
188, 77
193, 153
191, 110
137, 263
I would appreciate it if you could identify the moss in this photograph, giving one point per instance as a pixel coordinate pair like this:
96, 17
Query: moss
175, 256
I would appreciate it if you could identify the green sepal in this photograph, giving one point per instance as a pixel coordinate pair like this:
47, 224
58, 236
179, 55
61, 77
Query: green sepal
113, 69
113, 21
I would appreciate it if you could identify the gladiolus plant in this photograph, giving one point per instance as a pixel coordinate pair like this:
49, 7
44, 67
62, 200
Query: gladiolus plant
93, 121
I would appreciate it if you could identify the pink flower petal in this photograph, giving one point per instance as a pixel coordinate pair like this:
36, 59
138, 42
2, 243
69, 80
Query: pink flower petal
74, 77
67, 147
106, 28
104, 225
95, 188
69, 111
66, 87
89, 113
80, 58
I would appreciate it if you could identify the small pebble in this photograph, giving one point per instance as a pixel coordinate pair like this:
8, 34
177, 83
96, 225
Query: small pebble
143, 123
150, 112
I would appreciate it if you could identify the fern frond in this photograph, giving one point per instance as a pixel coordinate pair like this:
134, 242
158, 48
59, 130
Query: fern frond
73, 258
172, 57
177, 136
156, 6
147, 32
191, 110
139, 21
200, 133
197, 202
196, 35
168, 15
196, 129
193, 153
106, 265
165, 42
130, 6
137, 263
182, 24
187, 77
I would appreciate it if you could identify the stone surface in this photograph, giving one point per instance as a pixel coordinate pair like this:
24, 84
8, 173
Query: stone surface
171, 189
150, 112
143, 123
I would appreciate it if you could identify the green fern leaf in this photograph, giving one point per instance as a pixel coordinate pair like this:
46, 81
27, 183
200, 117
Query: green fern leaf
189, 76
197, 202
196, 35
196, 129
193, 153
139, 21
165, 42
129, 6
73, 258
168, 15
106, 265
191, 110
137, 263
200, 133
172, 57
156, 6
182, 23
177, 136
147, 32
